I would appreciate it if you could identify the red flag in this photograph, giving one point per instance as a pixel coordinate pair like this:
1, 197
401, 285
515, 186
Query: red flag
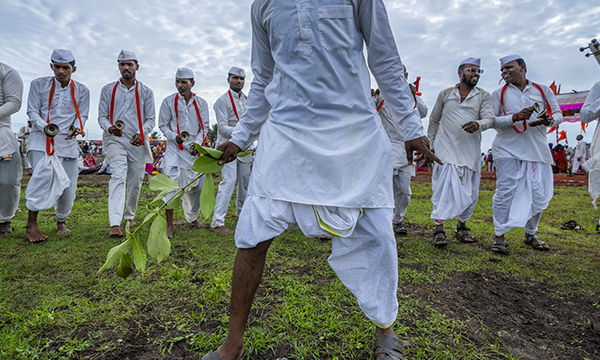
553, 87
552, 129
583, 126
558, 89
150, 137
563, 135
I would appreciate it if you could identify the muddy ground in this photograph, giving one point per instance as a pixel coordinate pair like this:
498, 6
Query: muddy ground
530, 319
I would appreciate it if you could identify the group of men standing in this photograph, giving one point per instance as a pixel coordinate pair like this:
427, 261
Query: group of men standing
58, 108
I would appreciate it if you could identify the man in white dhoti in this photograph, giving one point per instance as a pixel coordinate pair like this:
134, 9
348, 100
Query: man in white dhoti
229, 108
460, 114
578, 158
590, 111
402, 170
64, 102
183, 114
522, 158
323, 162
23, 136
11, 93
130, 103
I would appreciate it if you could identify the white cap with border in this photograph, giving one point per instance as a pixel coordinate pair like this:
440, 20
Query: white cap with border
126, 55
184, 73
237, 71
509, 58
62, 56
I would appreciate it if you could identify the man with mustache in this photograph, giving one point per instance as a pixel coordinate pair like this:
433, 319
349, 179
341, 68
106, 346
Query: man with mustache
64, 102
229, 108
460, 114
11, 93
127, 150
522, 158
183, 112
324, 163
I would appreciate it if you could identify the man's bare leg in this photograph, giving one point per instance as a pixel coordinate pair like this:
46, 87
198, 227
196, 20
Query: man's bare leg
32, 231
222, 230
115, 231
61, 228
169, 216
247, 274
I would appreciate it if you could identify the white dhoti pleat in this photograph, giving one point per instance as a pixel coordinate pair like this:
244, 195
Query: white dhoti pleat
53, 183
11, 172
191, 199
402, 193
124, 188
231, 173
576, 165
593, 167
365, 260
523, 191
455, 192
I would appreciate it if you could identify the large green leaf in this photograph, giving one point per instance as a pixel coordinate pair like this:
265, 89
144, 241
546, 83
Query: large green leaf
207, 197
206, 165
139, 254
162, 182
208, 152
244, 153
114, 254
124, 268
159, 245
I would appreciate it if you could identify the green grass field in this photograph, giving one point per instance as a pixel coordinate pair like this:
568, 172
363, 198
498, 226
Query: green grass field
462, 302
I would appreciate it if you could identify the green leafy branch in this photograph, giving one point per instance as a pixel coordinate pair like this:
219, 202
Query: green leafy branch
131, 251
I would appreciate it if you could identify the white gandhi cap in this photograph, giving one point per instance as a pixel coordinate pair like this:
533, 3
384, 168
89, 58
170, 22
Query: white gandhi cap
184, 73
126, 55
509, 58
237, 71
470, 60
62, 56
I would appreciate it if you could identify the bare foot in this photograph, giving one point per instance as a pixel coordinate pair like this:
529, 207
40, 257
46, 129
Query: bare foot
227, 354
198, 225
5, 228
132, 223
33, 234
115, 231
169, 231
222, 230
61, 228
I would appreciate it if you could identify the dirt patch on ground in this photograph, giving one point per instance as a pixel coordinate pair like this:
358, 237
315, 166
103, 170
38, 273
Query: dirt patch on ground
530, 319
559, 179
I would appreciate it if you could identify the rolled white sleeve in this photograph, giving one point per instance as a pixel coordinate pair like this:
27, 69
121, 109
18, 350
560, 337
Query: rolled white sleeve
104, 108
486, 113
34, 105
222, 114
501, 121
203, 108
434, 118
591, 108
164, 120
149, 111
12, 88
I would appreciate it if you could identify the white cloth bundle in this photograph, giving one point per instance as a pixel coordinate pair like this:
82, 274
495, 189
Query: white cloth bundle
47, 184
453, 188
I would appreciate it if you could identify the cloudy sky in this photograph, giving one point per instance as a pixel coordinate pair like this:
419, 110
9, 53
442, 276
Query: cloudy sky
211, 36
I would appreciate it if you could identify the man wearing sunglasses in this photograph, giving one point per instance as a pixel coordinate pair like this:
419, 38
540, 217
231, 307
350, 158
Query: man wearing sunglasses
460, 114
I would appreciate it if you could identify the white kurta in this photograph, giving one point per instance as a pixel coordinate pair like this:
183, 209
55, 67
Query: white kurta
321, 141
451, 143
590, 112
125, 109
532, 144
322, 148
126, 160
402, 171
178, 163
524, 184
62, 114
11, 92
238, 171
579, 156
455, 184
188, 121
